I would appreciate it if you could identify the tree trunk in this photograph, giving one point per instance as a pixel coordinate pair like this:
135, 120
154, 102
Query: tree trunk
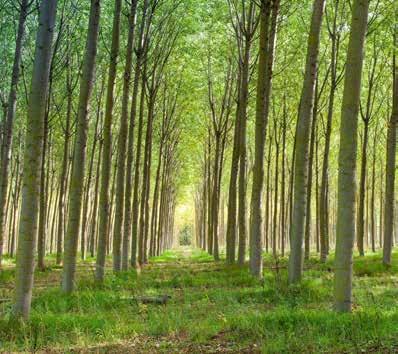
42, 231
104, 204
308, 215
123, 130
79, 156
232, 193
302, 145
372, 197
323, 203
244, 97
347, 158
135, 205
32, 159
145, 182
265, 66
216, 197
390, 170
8, 124
64, 168
362, 187
93, 230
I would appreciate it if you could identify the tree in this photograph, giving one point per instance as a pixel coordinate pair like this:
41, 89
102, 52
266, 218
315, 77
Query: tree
10, 108
79, 156
302, 145
265, 68
127, 227
120, 191
366, 116
104, 207
347, 157
391, 153
335, 36
220, 111
244, 22
32, 159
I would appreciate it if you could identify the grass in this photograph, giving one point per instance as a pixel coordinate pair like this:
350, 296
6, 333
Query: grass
213, 308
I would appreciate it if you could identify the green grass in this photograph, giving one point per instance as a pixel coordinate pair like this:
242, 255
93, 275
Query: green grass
212, 308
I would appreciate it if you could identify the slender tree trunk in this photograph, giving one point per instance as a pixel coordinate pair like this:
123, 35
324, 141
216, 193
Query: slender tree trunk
79, 156
123, 131
32, 159
145, 182
89, 179
302, 145
135, 205
104, 204
323, 203
362, 187
155, 203
283, 176
276, 185
42, 230
8, 124
93, 231
64, 168
244, 97
308, 216
317, 199
347, 158
373, 197
205, 199
127, 227
390, 169
232, 193
216, 197
268, 199
265, 66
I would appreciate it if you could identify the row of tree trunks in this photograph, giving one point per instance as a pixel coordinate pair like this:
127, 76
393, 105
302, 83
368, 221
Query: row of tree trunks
9, 114
391, 164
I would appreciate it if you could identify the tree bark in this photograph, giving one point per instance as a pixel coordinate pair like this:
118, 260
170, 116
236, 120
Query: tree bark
347, 158
300, 189
32, 159
264, 79
10, 109
123, 130
104, 203
127, 227
391, 153
79, 156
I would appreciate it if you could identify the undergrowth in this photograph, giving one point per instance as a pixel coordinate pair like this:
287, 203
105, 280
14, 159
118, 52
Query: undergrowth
211, 304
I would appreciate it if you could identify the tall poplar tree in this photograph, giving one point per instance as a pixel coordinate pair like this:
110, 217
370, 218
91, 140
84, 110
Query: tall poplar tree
300, 186
32, 159
9, 122
348, 158
104, 203
79, 156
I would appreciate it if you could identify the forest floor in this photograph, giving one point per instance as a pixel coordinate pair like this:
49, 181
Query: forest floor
213, 309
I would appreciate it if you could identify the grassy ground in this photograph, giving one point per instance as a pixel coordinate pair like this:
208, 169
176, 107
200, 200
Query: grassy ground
213, 309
